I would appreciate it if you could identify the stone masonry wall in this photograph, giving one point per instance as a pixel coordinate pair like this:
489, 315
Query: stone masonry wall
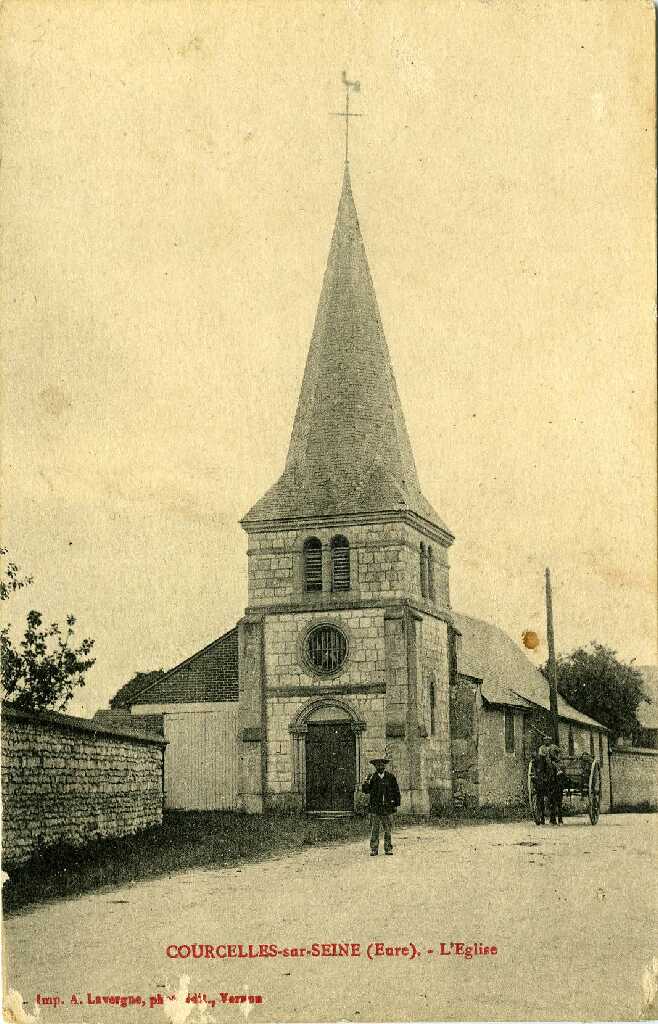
396, 629
376, 662
291, 684
280, 761
435, 743
634, 778
384, 562
69, 780
502, 773
395, 645
465, 713
364, 628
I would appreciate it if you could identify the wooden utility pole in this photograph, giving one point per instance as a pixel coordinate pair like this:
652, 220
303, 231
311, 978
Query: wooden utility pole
552, 664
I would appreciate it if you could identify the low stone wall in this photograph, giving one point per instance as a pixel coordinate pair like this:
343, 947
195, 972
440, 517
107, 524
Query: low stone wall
70, 780
634, 778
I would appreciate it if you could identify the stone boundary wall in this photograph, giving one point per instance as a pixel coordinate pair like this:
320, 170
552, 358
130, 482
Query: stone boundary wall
70, 780
634, 778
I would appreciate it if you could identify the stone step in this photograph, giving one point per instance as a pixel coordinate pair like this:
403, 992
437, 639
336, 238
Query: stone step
330, 814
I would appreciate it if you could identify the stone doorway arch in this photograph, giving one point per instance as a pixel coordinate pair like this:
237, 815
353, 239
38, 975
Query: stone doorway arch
331, 717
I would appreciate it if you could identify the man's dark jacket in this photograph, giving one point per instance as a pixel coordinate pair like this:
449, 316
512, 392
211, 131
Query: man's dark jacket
384, 793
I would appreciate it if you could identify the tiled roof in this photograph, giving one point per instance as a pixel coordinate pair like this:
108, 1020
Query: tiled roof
209, 675
508, 677
349, 451
124, 720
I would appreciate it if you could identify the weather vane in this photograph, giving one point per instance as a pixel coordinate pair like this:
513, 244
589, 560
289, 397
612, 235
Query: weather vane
356, 87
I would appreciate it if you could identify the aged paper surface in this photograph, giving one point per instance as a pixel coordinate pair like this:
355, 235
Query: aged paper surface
171, 175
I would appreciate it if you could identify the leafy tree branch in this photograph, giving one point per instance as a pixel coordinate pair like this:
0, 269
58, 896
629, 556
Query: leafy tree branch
43, 670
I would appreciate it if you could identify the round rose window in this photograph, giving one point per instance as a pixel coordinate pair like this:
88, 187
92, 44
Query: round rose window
325, 648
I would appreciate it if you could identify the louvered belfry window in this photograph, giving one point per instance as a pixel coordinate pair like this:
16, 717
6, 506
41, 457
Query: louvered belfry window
340, 564
312, 565
423, 570
326, 648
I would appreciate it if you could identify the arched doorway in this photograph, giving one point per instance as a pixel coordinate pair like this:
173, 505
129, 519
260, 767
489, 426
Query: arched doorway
327, 734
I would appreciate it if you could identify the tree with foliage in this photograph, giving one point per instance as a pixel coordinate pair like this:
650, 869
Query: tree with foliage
129, 692
593, 680
11, 578
43, 670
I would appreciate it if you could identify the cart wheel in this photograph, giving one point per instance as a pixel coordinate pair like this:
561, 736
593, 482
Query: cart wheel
533, 799
594, 792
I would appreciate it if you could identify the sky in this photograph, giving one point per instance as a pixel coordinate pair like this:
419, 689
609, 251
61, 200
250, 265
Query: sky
170, 179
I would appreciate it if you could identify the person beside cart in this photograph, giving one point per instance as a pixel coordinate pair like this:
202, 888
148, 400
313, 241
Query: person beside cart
554, 778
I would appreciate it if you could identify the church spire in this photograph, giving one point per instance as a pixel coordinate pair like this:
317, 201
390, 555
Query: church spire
349, 452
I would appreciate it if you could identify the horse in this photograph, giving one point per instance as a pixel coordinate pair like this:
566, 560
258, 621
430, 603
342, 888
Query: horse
549, 784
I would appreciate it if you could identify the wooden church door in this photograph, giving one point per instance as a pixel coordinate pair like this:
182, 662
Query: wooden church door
330, 766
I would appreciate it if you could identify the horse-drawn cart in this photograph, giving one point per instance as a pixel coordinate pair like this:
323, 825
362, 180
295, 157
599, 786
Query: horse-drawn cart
579, 777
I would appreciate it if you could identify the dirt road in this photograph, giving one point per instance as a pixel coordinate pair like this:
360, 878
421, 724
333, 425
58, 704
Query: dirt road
570, 911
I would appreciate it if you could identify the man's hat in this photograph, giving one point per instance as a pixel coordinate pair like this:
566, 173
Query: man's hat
380, 760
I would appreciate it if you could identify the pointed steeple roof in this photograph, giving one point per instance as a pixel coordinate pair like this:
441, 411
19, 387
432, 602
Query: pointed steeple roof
349, 450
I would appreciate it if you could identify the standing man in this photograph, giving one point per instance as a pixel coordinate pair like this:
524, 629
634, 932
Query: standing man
545, 749
542, 765
384, 801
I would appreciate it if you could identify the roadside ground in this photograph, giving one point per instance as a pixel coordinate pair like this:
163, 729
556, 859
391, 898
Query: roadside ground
571, 912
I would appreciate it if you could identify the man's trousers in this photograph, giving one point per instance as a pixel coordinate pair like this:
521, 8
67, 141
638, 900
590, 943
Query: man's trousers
380, 821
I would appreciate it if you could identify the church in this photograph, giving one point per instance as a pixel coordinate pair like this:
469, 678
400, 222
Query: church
349, 647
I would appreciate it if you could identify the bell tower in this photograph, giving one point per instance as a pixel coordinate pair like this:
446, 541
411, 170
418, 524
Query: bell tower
345, 643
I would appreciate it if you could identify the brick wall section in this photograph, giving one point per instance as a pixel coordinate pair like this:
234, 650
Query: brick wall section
68, 780
384, 562
211, 674
634, 778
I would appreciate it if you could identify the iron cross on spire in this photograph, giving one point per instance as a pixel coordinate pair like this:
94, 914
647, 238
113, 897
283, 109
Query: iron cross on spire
356, 86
